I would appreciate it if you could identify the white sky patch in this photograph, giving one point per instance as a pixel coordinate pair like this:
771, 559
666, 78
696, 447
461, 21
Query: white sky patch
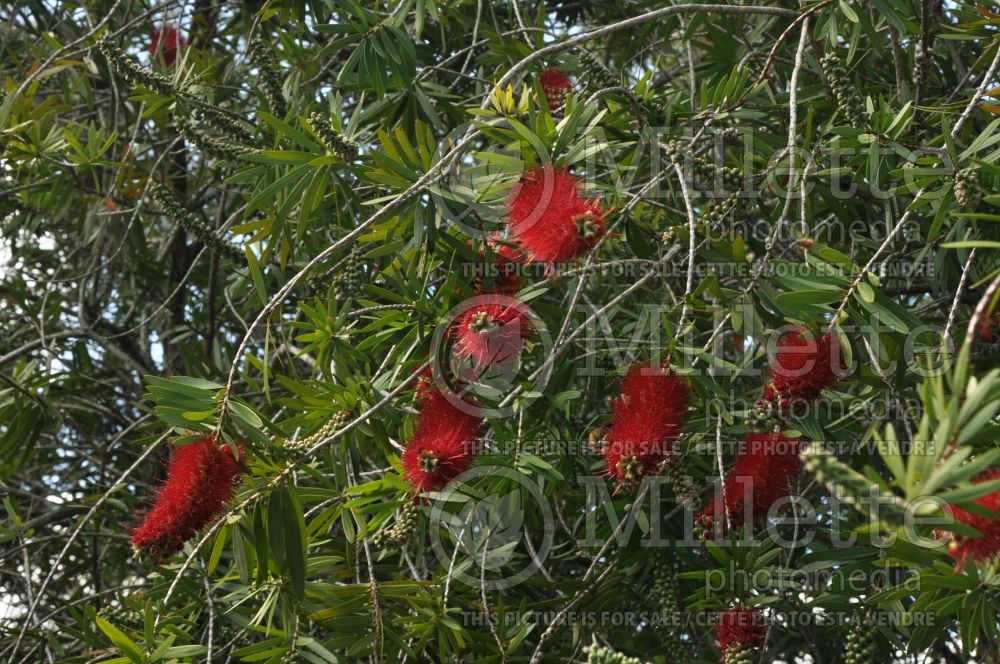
5, 258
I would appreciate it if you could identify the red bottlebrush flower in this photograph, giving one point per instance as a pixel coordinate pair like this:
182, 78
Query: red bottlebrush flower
551, 221
165, 42
647, 421
441, 447
766, 468
201, 479
804, 365
555, 86
740, 627
493, 331
986, 547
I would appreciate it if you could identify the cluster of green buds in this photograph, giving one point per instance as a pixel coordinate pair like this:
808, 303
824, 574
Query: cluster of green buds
338, 420
349, 278
666, 591
210, 145
677, 650
268, 75
720, 210
709, 171
967, 191
860, 647
738, 654
597, 654
669, 236
845, 94
134, 73
398, 533
330, 139
681, 484
191, 223
762, 415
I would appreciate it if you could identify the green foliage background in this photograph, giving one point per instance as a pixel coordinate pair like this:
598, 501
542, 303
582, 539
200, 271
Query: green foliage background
256, 240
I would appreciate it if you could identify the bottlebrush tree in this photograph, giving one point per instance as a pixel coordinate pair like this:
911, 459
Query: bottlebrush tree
464, 331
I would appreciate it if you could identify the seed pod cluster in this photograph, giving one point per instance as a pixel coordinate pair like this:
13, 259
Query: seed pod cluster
210, 145
720, 210
677, 650
845, 93
134, 73
704, 168
348, 279
665, 591
682, 484
233, 129
967, 191
191, 223
330, 138
268, 75
732, 178
737, 654
598, 76
395, 536
860, 647
600, 655
338, 420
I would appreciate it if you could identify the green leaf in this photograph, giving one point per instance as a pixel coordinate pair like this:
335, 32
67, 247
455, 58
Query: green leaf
120, 640
286, 537
256, 275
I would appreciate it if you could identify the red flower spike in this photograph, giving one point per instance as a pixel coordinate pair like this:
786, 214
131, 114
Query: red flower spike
986, 547
165, 42
493, 331
740, 627
201, 479
766, 468
647, 420
555, 86
550, 219
441, 447
804, 365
